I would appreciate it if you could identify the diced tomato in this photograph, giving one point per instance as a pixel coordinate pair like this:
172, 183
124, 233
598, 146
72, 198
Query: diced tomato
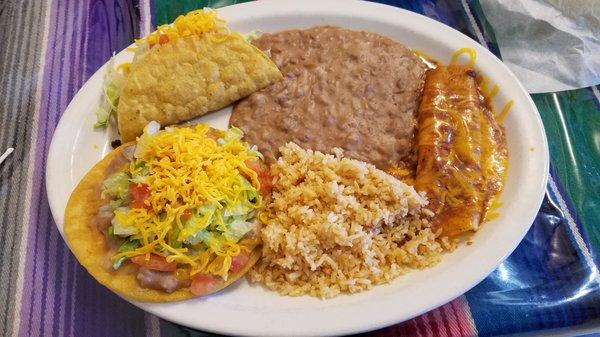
163, 39
156, 262
203, 284
238, 262
140, 193
266, 185
254, 164
186, 215
264, 177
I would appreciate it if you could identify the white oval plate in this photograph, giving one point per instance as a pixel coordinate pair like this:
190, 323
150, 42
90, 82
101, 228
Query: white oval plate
252, 310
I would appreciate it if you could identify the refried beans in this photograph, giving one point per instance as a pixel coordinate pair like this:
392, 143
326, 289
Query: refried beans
354, 90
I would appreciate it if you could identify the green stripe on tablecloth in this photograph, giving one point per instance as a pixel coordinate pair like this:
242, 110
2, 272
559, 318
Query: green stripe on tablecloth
21, 37
572, 121
165, 11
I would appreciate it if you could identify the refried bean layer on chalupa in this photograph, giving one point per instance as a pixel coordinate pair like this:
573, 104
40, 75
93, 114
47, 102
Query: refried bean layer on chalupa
354, 90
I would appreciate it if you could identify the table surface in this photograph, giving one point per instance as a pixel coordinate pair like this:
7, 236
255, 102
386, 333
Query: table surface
50, 48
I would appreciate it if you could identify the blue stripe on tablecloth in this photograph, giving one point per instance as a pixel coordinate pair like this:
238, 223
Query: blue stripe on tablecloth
546, 283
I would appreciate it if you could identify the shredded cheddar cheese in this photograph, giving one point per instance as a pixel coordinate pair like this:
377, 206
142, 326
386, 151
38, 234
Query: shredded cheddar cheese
198, 22
186, 169
124, 67
502, 115
470, 53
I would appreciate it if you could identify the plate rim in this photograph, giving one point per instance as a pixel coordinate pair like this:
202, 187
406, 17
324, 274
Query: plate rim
319, 5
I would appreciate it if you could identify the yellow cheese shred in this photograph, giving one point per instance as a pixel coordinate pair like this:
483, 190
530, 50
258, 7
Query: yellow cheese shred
471, 53
198, 22
187, 169
502, 115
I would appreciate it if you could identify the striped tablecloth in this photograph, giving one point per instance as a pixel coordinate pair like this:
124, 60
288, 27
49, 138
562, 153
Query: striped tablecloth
49, 48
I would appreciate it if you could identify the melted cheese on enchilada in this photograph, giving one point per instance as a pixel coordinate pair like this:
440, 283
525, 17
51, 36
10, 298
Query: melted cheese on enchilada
462, 153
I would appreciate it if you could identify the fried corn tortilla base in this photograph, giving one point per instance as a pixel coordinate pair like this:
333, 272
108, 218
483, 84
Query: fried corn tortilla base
189, 77
89, 246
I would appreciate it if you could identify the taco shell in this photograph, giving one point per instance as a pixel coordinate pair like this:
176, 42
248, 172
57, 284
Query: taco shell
188, 77
90, 247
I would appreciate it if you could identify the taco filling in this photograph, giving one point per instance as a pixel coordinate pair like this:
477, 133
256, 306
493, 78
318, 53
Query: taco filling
184, 209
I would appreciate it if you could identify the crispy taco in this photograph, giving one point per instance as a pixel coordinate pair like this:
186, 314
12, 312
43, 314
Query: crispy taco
181, 71
171, 216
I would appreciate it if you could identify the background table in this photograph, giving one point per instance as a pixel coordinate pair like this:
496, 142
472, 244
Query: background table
49, 48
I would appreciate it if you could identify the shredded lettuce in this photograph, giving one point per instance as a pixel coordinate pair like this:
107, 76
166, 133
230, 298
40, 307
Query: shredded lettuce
204, 209
140, 51
237, 229
208, 238
173, 237
117, 186
201, 219
116, 203
149, 131
231, 134
198, 237
252, 196
235, 210
140, 179
210, 223
252, 35
114, 81
127, 246
121, 226
140, 173
254, 151
251, 193
102, 116
233, 228
119, 262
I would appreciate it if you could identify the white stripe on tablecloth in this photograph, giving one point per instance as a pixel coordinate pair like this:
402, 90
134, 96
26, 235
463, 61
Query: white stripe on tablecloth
6, 154
31, 167
451, 324
573, 227
145, 18
465, 304
474, 24
596, 93
152, 325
